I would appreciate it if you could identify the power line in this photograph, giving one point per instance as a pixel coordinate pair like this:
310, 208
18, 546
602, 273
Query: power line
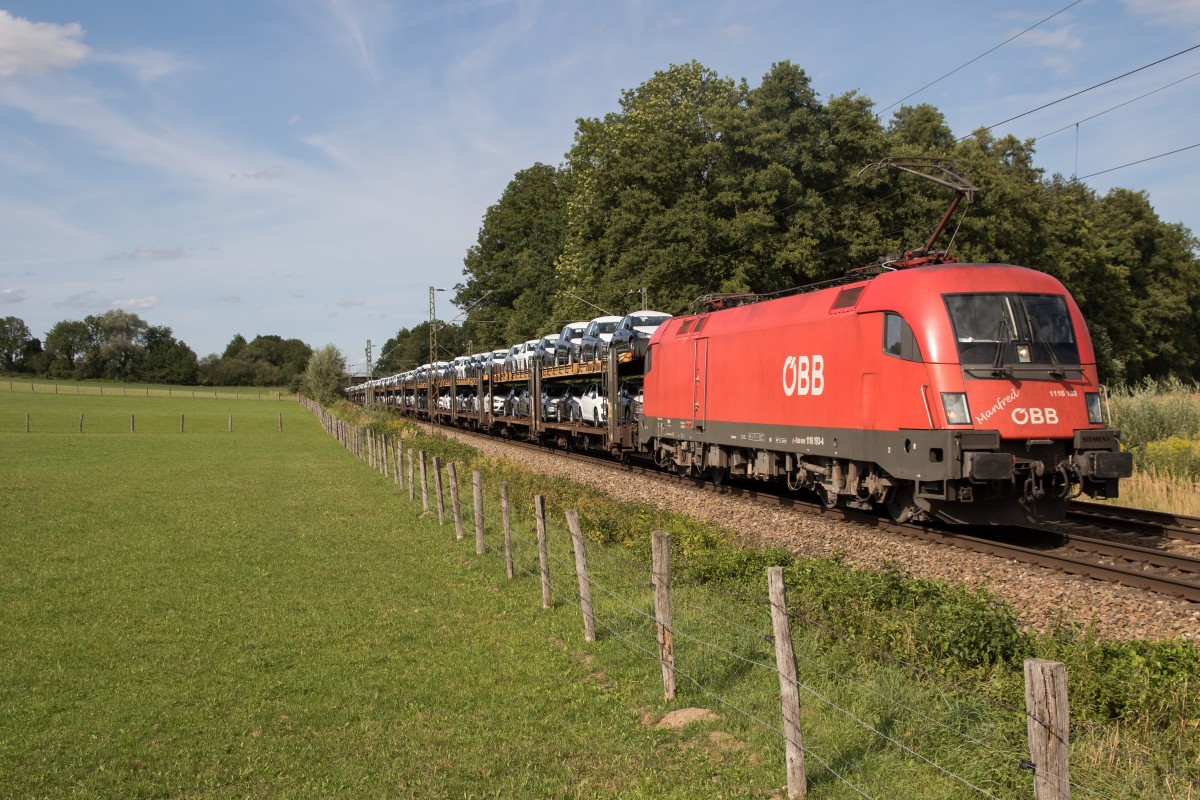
1114, 108
1139, 161
1083, 91
981, 55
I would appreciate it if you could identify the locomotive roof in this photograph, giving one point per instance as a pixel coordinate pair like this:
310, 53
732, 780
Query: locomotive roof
915, 293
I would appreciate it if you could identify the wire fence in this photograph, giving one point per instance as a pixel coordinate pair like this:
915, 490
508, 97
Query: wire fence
857, 727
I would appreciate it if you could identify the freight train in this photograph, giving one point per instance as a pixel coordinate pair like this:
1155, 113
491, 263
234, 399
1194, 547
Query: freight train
922, 386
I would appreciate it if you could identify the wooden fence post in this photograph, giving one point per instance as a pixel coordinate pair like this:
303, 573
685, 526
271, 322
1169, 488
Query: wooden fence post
1048, 722
437, 488
383, 456
398, 461
281, 422
132, 428
789, 691
181, 423
424, 487
231, 423
455, 505
81, 422
412, 484
477, 497
539, 513
660, 548
508, 550
27, 422
581, 570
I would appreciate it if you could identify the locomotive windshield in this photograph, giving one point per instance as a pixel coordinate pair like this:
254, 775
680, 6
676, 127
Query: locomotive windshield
1013, 330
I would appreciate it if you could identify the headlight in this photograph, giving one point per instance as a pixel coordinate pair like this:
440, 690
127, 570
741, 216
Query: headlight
1095, 411
955, 406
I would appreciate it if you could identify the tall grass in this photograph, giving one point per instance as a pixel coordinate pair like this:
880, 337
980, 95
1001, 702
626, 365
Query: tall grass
1152, 411
1160, 424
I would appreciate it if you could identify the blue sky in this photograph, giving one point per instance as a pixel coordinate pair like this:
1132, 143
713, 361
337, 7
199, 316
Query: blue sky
310, 167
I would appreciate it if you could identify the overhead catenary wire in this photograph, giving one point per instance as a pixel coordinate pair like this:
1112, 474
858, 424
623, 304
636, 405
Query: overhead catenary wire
1114, 108
1082, 91
855, 126
1139, 161
1015, 36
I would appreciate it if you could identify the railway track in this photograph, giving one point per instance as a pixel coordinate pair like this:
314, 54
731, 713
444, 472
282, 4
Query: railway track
1132, 565
1135, 520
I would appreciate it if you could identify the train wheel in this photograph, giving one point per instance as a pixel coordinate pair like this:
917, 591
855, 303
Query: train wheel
828, 498
717, 475
900, 504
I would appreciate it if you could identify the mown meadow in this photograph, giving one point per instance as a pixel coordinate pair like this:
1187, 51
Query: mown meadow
258, 613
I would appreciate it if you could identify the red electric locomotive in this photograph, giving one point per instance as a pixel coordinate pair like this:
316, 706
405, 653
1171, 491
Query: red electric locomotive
963, 392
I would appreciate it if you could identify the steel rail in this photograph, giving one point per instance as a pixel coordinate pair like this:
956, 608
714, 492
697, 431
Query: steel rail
1136, 520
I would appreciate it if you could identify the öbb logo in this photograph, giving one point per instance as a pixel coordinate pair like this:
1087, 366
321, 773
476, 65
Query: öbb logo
1035, 416
803, 375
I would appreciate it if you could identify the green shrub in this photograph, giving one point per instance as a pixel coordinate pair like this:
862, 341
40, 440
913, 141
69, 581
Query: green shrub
1173, 457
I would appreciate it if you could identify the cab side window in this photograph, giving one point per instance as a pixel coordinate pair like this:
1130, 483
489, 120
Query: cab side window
898, 338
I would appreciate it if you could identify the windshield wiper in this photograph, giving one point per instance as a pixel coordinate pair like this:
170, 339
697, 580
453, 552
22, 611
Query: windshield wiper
1003, 337
1056, 371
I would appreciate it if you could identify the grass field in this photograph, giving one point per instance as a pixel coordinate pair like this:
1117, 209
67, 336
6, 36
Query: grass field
260, 614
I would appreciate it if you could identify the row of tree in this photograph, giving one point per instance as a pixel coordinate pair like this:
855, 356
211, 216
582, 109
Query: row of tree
700, 184
120, 345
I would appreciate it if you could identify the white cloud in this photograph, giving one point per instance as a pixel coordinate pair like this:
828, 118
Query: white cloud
11, 296
293, 119
736, 33
357, 23
145, 64
350, 303
1183, 13
229, 297
32, 47
268, 174
136, 303
83, 300
150, 254
1054, 46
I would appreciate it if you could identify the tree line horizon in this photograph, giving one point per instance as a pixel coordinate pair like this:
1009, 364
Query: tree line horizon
119, 345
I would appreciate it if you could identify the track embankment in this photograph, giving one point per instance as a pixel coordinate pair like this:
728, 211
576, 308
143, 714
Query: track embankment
1041, 597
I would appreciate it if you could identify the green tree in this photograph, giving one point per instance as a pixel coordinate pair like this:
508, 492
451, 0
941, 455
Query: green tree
324, 376
116, 344
66, 348
166, 359
14, 338
409, 348
235, 346
512, 263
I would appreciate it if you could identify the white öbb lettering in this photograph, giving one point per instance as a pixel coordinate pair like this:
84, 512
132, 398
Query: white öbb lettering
803, 375
1035, 416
